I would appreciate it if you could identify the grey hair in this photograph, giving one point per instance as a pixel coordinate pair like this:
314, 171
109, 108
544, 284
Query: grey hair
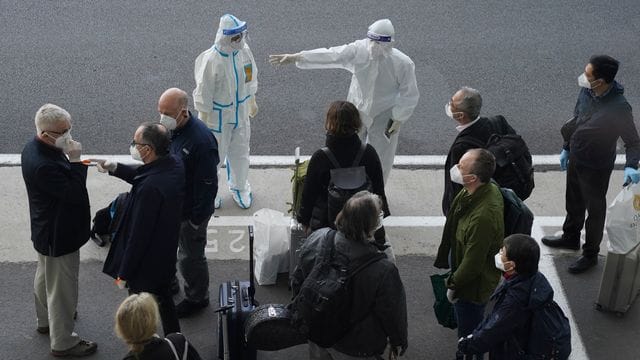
471, 102
359, 216
48, 115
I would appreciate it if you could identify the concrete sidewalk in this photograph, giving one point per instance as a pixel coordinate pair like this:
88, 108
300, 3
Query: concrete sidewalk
414, 229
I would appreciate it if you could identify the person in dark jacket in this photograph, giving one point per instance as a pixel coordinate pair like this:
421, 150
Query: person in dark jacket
379, 311
505, 332
342, 124
473, 131
136, 324
142, 256
55, 179
192, 141
601, 116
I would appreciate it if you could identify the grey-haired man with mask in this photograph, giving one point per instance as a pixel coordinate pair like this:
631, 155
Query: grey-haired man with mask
195, 144
464, 108
59, 209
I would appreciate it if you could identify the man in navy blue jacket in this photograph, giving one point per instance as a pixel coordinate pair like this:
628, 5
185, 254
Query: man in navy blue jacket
142, 256
601, 116
59, 211
192, 141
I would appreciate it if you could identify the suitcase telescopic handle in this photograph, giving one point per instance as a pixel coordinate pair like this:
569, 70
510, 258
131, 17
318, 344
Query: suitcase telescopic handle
252, 288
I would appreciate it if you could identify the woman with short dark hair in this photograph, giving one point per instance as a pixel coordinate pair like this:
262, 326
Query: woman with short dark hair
342, 123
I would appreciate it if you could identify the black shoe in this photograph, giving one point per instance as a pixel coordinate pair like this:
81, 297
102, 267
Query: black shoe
583, 264
560, 242
187, 308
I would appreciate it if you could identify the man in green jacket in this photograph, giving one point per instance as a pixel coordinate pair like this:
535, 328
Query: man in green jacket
472, 235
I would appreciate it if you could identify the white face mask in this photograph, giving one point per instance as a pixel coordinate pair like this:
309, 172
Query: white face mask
499, 263
456, 175
583, 81
377, 49
135, 154
168, 122
447, 110
63, 140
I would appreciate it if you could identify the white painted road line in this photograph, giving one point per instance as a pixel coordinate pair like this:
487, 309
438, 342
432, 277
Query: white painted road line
279, 161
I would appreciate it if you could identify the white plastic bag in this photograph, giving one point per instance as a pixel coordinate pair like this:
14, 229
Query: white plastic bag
271, 245
623, 217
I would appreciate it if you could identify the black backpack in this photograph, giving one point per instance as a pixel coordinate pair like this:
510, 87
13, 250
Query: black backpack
345, 182
514, 165
322, 308
549, 334
518, 219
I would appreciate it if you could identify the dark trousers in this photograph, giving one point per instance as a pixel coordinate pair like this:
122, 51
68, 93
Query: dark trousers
192, 261
468, 316
586, 191
166, 307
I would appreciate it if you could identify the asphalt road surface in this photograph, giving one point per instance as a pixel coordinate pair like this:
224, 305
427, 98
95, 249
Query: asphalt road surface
107, 62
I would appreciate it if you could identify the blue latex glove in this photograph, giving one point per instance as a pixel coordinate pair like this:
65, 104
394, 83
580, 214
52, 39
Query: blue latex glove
564, 159
631, 175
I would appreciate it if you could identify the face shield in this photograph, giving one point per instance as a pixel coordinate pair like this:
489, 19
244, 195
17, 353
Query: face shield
231, 33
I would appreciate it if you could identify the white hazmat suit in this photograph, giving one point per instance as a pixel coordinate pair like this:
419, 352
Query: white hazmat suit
226, 84
383, 86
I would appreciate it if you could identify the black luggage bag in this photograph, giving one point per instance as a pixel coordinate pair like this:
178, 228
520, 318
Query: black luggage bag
236, 304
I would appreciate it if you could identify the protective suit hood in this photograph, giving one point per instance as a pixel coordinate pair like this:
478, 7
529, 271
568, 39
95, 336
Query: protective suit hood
229, 27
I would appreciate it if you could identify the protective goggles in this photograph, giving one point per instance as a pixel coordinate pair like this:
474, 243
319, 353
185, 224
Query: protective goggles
378, 37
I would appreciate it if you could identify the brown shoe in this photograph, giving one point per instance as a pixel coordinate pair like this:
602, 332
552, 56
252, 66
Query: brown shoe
83, 348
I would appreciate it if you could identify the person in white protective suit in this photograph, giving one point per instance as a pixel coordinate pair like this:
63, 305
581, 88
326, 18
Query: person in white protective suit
226, 85
383, 86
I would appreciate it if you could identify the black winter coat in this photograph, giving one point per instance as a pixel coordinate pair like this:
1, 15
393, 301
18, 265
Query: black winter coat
316, 182
58, 199
144, 246
509, 319
378, 297
478, 133
599, 122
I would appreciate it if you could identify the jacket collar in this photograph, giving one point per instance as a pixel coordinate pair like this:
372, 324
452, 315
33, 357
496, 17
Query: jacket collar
341, 142
48, 149
177, 132
157, 166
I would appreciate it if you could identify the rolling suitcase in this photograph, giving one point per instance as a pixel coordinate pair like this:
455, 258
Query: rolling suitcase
236, 304
620, 282
297, 234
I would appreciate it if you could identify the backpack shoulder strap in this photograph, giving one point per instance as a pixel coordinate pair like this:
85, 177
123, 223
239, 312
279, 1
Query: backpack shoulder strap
173, 348
331, 157
358, 158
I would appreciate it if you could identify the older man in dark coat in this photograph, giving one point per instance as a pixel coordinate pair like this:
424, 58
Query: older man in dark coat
59, 209
143, 254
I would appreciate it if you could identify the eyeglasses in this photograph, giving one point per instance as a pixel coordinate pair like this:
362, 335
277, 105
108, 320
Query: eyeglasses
59, 133
133, 143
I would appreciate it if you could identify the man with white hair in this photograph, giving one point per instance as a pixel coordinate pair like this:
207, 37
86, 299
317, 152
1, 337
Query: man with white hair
59, 209
383, 85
